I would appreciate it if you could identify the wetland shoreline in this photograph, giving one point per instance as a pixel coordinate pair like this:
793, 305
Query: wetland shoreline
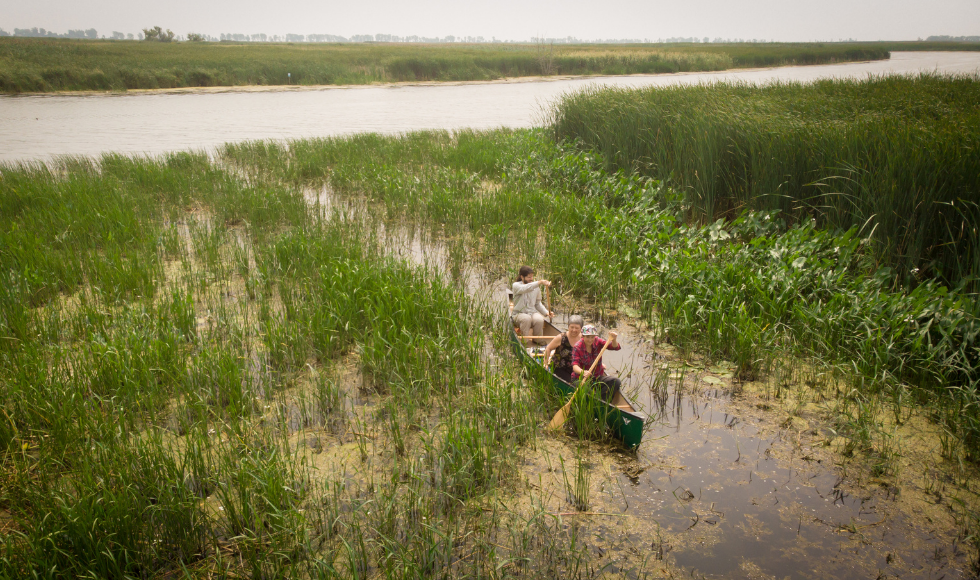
383, 85
244, 364
45, 65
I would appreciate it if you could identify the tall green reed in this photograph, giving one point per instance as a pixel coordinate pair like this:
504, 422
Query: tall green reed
888, 153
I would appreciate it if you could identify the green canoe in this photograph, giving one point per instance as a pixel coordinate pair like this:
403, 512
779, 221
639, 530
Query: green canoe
622, 418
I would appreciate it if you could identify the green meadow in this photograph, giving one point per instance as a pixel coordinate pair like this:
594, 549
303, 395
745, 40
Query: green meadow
46, 65
227, 367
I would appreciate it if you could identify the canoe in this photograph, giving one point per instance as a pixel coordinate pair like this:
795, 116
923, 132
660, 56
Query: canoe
623, 419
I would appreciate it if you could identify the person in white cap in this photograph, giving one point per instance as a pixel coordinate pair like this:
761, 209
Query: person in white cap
586, 351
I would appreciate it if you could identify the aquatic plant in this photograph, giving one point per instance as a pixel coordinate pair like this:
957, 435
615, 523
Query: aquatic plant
890, 155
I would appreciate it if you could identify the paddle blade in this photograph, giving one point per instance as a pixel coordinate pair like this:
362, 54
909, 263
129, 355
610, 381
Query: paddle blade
558, 421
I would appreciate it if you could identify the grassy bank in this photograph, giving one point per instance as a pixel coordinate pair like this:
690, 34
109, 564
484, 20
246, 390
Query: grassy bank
894, 156
45, 65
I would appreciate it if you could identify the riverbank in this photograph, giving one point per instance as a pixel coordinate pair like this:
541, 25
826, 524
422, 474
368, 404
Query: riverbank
376, 85
50, 65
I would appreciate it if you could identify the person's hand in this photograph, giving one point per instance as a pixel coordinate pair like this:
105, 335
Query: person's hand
612, 336
545, 282
551, 314
586, 375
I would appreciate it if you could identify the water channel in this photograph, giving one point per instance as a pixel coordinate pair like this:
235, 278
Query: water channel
46, 126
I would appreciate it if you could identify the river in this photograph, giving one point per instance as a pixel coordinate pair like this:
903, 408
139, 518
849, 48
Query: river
46, 126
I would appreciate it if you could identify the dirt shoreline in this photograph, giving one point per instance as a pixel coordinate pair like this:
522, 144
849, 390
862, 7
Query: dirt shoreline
391, 85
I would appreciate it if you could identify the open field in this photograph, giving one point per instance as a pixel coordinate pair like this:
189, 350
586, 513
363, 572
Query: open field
46, 65
895, 157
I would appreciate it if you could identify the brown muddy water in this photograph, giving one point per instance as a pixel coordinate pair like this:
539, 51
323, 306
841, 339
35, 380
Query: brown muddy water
42, 127
733, 479
728, 484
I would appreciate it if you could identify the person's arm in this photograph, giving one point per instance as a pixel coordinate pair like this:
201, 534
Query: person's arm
552, 347
613, 343
522, 288
542, 309
577, 360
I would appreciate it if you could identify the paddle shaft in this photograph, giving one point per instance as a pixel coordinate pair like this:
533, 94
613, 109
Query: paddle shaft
550, 318
559, 419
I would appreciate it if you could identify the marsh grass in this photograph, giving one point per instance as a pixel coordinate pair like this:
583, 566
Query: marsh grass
149, 427
731, 289
577, 488
36, 65
268, 322
888, 155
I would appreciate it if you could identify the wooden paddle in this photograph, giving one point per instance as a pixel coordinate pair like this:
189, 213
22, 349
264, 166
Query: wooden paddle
551, 319
562, 415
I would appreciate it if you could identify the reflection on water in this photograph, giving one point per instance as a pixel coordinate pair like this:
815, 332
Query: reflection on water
39, 127
725, 491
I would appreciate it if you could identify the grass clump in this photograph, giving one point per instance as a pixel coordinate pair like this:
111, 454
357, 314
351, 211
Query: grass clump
889, 155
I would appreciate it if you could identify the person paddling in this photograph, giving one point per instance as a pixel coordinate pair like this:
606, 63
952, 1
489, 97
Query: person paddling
585, 352
562, 346
529, 312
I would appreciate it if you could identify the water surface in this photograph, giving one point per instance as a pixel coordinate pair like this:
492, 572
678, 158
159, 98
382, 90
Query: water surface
42, 127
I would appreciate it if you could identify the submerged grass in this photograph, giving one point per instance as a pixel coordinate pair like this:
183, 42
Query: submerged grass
45, 65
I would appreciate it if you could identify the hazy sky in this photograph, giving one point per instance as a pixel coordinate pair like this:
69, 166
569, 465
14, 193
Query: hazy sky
788, 20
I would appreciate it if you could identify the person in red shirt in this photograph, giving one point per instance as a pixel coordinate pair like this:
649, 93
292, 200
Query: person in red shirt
585, 352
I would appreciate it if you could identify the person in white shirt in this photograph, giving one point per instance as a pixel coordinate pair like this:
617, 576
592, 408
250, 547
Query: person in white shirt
528, 311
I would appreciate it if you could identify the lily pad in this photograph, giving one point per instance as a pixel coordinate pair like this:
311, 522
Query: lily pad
628, 311
712, 380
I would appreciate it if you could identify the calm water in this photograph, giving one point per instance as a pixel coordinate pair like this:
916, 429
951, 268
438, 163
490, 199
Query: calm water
728, 490
40, 127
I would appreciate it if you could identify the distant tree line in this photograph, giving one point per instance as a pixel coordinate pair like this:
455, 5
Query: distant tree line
157, 34
42, 33
235, 37
954, 39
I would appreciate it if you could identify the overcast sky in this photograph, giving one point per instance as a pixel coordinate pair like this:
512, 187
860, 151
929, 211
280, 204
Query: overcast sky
783, 20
